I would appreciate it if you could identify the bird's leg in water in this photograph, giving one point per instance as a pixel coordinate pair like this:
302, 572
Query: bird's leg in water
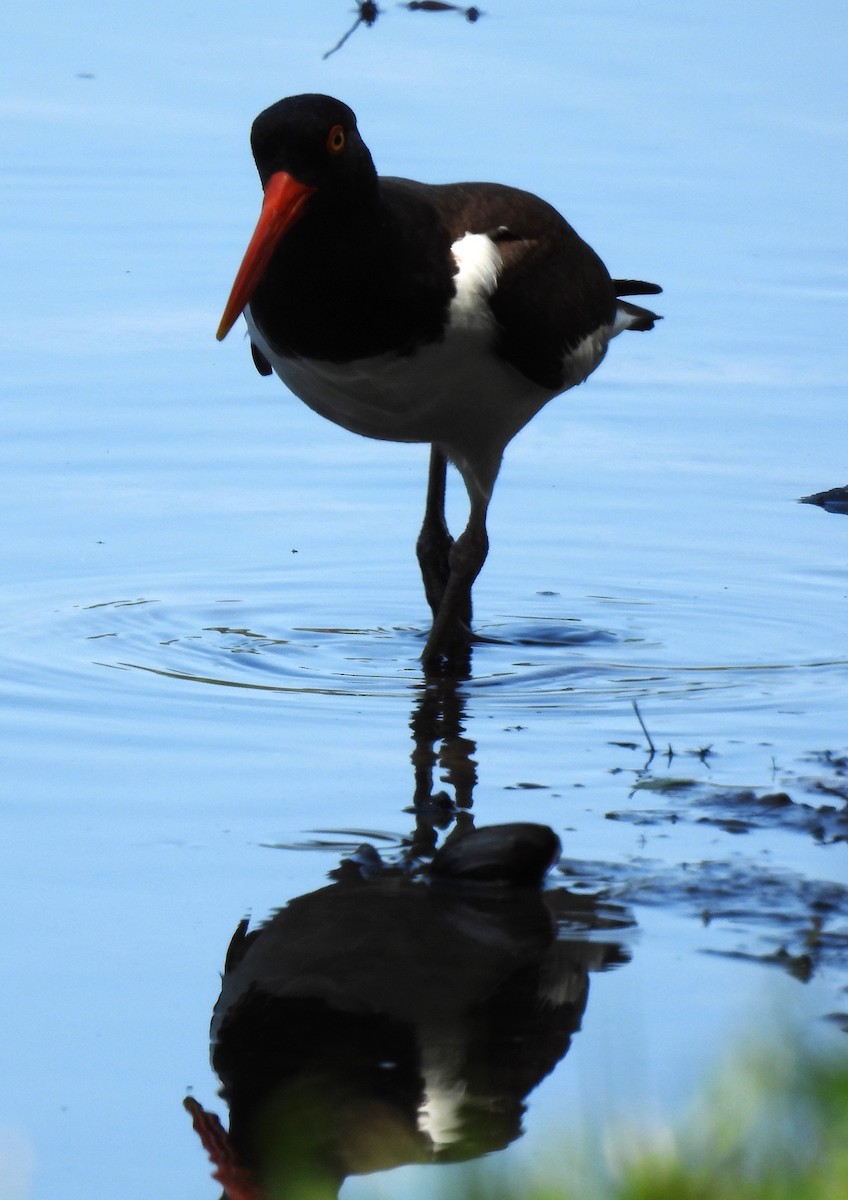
434, 540
451, 634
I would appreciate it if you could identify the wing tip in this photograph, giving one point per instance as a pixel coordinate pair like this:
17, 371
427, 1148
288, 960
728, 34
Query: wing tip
635, 287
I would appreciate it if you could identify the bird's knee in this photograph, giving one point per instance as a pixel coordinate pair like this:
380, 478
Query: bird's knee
468, 553
433, 545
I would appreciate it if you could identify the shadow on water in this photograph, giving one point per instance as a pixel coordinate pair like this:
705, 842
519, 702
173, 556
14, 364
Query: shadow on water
404, 1012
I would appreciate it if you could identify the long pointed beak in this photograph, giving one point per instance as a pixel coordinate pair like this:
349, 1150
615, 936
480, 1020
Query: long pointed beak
284, 202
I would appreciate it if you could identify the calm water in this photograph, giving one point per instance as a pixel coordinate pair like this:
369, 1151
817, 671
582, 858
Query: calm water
211, 614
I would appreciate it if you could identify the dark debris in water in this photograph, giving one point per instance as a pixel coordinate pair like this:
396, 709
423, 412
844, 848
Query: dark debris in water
744, 810
799, 966
832, 780
776, 918
759, 914
822, 814
367, 13
827, 758
665, 784
834, 500
545, 634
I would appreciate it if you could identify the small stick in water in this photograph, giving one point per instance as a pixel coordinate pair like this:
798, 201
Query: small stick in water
368, 14
651, 745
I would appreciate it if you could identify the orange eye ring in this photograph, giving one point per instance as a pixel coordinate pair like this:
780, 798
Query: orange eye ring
336, 140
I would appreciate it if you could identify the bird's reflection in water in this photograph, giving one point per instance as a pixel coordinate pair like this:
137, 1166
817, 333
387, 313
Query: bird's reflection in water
403, 1013
440, 744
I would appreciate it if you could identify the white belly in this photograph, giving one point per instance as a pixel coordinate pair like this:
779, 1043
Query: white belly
439, 393
456, 392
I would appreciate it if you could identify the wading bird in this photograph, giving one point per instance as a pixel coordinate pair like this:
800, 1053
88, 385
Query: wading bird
412, 312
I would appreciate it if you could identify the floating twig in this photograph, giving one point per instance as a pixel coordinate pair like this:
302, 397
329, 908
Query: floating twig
368, 14
471, 14
651, 745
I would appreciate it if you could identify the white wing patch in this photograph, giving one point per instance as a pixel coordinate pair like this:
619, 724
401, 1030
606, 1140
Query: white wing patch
579, 363
479, 264
623, 320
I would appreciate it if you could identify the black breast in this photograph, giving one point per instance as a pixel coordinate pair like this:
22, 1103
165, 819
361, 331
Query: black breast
351, 284
346, 285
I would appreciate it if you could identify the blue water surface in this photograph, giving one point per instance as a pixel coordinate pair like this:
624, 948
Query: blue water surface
210, 609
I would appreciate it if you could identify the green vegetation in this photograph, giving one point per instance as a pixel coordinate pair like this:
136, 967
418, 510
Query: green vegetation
773, 1126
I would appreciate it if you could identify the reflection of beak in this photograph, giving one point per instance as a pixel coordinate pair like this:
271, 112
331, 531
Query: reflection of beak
283, 205
238, 1183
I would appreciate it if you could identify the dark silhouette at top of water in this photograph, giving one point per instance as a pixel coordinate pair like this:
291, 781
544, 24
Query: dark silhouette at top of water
368, 12
834, 500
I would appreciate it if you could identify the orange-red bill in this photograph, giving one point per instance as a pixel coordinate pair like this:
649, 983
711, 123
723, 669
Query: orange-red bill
284, 202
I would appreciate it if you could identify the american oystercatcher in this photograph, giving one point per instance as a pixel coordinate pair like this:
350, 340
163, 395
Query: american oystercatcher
413, 312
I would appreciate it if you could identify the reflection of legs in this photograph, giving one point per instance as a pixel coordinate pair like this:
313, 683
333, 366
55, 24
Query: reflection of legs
438, 730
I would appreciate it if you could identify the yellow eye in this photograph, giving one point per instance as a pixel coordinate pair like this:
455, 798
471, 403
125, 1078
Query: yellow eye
336, 140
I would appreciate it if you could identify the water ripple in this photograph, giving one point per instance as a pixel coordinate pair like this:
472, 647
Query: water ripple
180, 635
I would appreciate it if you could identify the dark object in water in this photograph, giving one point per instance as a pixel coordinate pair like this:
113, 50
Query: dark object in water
368, 12
835, 500
471, 14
